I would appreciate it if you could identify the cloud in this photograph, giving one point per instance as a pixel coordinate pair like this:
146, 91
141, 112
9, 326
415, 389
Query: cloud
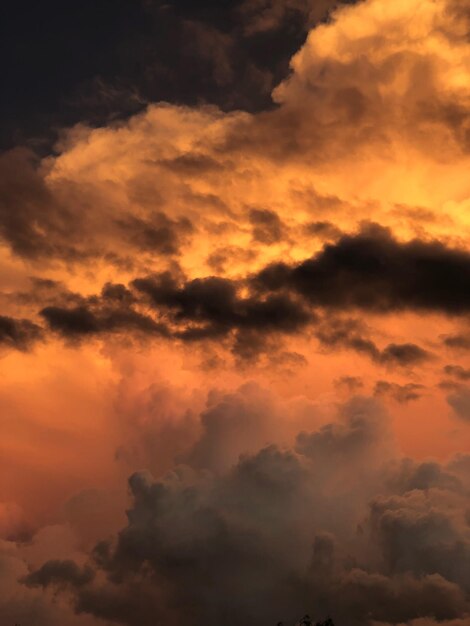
416, 537
338, 524
375, 272
458, 372
400, 393
351, 383
22, 605
133, 191
355, 75
80, 321
225, 45
215, 305
325, 230
261, 16
232, 425
369, 271
32, 220
407, 354
202, 309
355, 439
351, 334
267, 227
459, 400
459, 341
187, 249
19, 334
59, 572
159, 234
113, 191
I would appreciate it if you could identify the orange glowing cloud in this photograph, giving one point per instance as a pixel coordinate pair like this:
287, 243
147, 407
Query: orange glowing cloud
263, 319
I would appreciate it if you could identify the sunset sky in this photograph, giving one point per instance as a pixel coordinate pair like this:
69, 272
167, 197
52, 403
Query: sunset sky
235, 313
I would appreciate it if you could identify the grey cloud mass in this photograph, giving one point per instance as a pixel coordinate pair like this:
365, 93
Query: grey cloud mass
337, 524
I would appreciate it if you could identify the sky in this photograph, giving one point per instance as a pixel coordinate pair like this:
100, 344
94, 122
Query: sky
234, 323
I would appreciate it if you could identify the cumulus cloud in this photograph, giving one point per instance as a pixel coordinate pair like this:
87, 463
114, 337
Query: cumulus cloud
327, 227
146, 180
337, 524
356, 73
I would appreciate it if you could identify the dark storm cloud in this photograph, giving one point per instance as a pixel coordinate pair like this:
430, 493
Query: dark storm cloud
19, 334
75, 317
277, 532
212, 310
375, 272
370, 270
70, 322
81, 321
100, 62
215, 305
167, 306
